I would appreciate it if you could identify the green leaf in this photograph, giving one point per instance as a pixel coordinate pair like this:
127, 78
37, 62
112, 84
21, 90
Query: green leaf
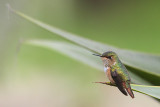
80, 54
73, 51
147, 64
84, 56
153, 91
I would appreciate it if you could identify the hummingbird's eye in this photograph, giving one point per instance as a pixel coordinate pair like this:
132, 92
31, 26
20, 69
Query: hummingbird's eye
109, 57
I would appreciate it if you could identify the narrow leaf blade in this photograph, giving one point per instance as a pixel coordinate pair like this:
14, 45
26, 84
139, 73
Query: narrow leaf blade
80, 54
141, 61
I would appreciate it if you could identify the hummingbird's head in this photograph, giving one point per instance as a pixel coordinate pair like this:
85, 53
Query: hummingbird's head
108, 57
109, 54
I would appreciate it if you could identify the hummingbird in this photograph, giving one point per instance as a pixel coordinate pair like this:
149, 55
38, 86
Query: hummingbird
116, 72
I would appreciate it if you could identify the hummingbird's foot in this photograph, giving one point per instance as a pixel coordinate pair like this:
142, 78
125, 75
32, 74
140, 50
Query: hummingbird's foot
102, 82
107, 83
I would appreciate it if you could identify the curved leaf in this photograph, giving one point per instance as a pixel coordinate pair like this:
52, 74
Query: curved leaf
152, 91
85, 56
80, 54
141, 61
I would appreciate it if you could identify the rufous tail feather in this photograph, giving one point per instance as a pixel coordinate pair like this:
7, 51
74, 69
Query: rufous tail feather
129, 90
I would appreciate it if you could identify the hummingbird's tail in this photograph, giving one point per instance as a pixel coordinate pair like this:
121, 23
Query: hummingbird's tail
122, 89
128, 89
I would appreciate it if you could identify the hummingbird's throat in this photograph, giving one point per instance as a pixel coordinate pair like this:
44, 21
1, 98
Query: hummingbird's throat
108, 62
105, 61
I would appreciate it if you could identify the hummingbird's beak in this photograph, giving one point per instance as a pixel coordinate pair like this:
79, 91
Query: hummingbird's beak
97, 55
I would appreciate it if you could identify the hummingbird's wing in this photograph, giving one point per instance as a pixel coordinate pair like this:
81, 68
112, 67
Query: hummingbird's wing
118, 81
123, 86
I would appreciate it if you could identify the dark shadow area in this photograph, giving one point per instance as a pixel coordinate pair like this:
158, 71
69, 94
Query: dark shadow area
146, 76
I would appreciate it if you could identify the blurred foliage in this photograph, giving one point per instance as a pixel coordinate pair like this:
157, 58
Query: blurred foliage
131, 25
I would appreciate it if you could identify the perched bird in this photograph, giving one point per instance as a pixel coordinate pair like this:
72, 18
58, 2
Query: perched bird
116, 72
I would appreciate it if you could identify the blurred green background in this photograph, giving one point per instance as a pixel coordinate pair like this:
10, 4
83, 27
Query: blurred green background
34, 76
